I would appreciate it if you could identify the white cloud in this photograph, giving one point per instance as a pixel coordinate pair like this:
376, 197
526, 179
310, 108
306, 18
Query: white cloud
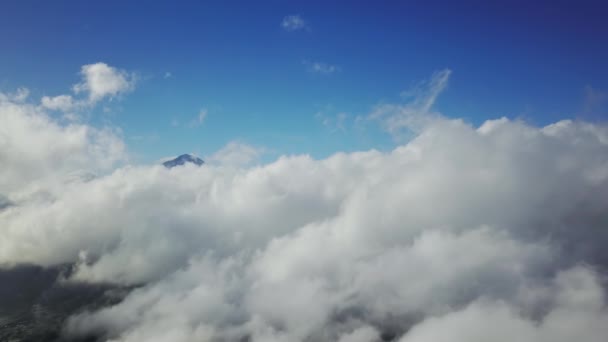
236, 153
20, 95
595, 101
293, 23
457, 215
39, 149
64, 103
321, 68
578, 313
202, 115
361, 334
101, 80
168, 75
198, 120
414, 115
463, 233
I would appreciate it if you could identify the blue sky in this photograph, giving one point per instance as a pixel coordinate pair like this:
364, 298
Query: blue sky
300, 89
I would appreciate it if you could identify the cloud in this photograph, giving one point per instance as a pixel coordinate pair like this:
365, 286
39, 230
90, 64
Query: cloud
64, 103
321, 68
398, 243
19, 96
101, 80
4, 202
202, 115
39, 149
293, 23
578, 313
415, 114
236, 153
464, 232
595, 101
197, 121
167, 75
333, 122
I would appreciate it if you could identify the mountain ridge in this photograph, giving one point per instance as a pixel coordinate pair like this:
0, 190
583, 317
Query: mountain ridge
182, 160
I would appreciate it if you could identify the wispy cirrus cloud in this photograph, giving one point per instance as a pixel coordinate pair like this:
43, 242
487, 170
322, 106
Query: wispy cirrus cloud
416, 112
321, 67
334, 123
199, 119
595, 102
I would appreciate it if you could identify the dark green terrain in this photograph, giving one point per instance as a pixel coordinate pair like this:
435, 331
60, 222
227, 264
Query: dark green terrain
34, 303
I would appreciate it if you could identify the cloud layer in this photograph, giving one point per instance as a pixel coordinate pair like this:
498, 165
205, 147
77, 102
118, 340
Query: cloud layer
464, 233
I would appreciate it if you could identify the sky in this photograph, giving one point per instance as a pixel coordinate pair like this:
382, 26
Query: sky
287, 77
374, 171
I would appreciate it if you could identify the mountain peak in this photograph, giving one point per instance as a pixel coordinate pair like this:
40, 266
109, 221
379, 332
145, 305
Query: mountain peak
183, 159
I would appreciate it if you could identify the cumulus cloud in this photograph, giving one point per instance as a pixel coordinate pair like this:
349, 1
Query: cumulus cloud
463, 233
293, 23
462, 224
578, 313
99, 81
37, 149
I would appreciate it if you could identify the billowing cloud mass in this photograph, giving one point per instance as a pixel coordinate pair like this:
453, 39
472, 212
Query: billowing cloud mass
37, 151
464, 233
